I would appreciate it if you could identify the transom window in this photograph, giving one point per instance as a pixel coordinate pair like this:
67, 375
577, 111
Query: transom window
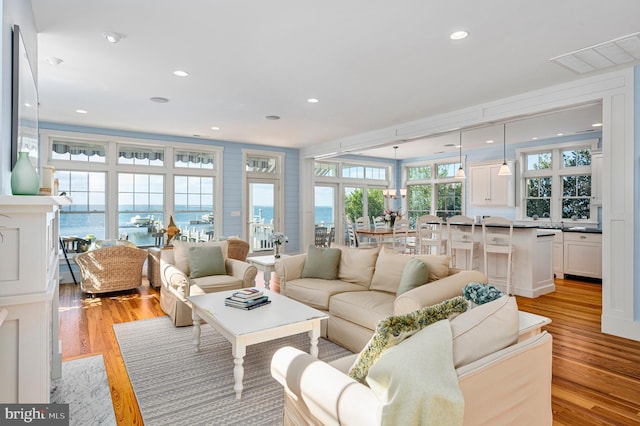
78, 151
357, 171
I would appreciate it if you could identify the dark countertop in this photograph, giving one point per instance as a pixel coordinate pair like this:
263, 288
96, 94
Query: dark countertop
583, 229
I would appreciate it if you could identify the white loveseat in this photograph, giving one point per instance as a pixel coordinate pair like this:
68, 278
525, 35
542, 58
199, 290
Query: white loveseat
502, 381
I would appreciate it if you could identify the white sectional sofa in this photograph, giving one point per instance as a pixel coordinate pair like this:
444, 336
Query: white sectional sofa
365, 289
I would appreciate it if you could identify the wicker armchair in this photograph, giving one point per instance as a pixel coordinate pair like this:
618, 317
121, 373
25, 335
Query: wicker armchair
113, 268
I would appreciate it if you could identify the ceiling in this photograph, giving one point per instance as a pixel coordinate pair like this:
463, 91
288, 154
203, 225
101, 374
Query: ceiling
371, 64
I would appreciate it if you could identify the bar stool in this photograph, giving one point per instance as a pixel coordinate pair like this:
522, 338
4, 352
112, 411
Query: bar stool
460, 236
497, 238
429, 235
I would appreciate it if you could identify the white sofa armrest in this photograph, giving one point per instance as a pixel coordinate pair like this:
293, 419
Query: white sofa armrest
174, 279
510, 386
331, 396
239, 269
289, 268
435, 291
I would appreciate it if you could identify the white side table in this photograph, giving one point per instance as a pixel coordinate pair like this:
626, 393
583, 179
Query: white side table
265, 264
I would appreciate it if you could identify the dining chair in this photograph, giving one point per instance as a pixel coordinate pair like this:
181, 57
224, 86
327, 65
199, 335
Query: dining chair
402, 242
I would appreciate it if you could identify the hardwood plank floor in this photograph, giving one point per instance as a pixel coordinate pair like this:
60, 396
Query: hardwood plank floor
596, 377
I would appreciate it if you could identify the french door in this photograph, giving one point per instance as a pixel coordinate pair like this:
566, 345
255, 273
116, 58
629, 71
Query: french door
264, 215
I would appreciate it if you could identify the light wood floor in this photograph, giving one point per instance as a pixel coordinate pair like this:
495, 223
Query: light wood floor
596, 377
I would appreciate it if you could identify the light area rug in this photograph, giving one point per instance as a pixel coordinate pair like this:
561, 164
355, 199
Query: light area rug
175, 385
84, 386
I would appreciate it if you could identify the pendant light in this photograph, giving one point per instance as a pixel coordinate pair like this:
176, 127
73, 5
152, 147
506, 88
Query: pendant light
460, 173
392, 193
504, 169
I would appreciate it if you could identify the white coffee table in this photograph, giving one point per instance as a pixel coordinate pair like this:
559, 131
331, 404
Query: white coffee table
282, 317
266, 264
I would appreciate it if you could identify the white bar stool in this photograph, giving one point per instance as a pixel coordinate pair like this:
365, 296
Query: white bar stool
460, 236
429, 235
497, 237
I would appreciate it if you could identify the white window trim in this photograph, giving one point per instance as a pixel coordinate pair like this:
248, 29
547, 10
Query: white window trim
112, 168
434, 180
556, 173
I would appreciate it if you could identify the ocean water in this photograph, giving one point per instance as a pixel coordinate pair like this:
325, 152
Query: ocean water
140, 231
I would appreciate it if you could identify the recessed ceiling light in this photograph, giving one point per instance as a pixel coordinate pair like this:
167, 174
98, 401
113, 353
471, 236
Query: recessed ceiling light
272, 117
448, 144
215, 128
54, 61
490, 141
82, 111
535, 138
180, 73
458, 35
560, 134
312, 100
195, 135
112, 37
159, 100
596, 125
439, 152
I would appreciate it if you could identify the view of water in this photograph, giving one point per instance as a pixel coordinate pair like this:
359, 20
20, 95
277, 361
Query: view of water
139, 225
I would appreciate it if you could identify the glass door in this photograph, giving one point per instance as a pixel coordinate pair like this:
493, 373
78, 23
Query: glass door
325, 214
263, 217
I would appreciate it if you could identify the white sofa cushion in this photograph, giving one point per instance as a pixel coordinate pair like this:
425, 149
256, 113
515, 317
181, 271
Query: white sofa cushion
388, 272
484, 330
357, 265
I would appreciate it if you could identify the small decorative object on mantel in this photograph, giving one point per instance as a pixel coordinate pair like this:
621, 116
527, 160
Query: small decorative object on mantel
390, 217
278, 238
24, 179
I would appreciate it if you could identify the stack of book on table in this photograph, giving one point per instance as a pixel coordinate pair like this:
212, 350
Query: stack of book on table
247, 298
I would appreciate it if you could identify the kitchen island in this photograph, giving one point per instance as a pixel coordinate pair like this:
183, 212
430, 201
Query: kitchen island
532, 261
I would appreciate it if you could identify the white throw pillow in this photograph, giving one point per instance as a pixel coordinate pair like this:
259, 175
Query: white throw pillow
416, 382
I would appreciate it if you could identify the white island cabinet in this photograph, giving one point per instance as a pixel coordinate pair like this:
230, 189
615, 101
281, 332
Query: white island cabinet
30, 351
532, 261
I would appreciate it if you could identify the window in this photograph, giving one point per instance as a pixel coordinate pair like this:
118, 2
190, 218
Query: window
326, 169
437, 192
87, 213
356, 171
78, 151
194, 203
194, 160
140, 155
261, 164
140, 206
125, 186
557, 183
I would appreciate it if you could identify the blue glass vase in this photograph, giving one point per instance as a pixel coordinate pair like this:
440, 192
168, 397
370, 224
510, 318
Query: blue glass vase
24, 179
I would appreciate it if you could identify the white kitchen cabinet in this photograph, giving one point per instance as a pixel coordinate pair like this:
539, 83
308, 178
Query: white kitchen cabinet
490, 189
583, 254
558, 250
29, 350
596, 179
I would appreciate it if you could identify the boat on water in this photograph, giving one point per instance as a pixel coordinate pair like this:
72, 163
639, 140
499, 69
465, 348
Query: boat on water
140, 221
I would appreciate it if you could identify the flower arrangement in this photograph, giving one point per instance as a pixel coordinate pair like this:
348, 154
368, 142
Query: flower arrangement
278, 238
480, 293
391, 215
